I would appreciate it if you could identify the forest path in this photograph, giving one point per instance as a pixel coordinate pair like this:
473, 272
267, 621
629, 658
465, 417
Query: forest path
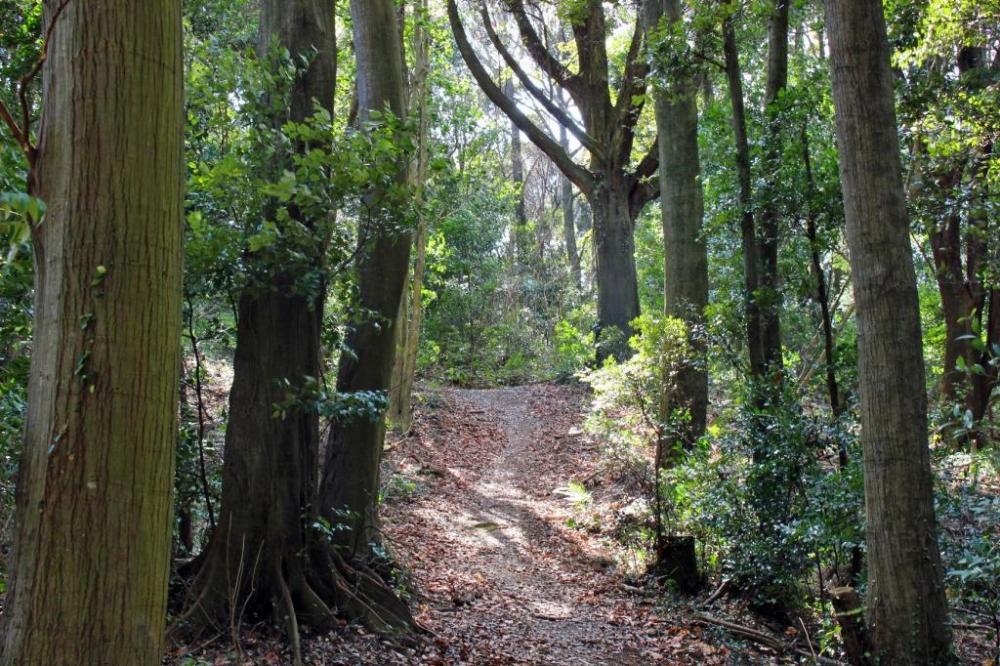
478, 512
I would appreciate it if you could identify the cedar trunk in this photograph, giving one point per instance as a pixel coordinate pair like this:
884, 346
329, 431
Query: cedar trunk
92, 545
906, 605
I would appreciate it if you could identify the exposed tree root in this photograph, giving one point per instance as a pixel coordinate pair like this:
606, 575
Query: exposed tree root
298, 592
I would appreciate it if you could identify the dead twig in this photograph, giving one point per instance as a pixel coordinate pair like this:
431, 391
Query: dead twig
971, 627
766, 640
746, 632
719, 591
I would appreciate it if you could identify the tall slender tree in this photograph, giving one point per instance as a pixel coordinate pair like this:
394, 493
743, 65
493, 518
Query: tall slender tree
682, 208
354, 450
92, 545
616, 189
412, 308
770, 213
748, 221
906, 605
568, 206
759, 224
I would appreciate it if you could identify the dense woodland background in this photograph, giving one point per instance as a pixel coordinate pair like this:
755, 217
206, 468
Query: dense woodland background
760, 236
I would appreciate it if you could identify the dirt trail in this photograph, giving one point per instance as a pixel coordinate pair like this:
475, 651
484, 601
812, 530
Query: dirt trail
503, 578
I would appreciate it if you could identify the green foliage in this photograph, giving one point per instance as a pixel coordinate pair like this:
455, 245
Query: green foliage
760, 491
629, 408
970, 543
770, 512
574, 342
312, 396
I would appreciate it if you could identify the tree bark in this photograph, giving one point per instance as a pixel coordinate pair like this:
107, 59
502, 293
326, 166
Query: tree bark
413, 298
682, 207
270, 461
748, 224
354, 449
569, 219
614, 268
92, 546
906, 605
267, 558
770, 234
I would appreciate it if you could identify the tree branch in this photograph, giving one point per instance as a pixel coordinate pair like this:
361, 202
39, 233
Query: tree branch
22, 132
633, 85
541, 55
645, 188
588, 141
580, 176
650, 162
635, 73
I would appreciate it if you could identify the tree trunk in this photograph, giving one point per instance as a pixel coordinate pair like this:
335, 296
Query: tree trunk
959, 245
413, 299
751, 252
519, 232
569, 218
616, 195
983, 384
354, 450
267, 558
267, 487
92, 546
822, 291
960, 295
614, 268
906, 605
682, 206
770, 235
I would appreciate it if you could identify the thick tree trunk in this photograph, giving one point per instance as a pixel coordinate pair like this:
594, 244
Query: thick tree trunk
267, 558
92, 546
682, 206
907, 606
270, 460
349, 489
614, 267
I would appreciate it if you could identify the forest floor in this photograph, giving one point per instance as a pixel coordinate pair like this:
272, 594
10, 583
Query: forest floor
502, 514
504, 571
